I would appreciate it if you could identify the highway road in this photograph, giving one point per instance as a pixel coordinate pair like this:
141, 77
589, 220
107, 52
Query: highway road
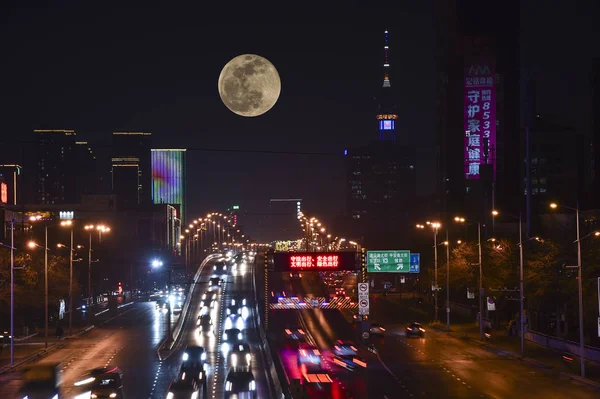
128, 341
236, 284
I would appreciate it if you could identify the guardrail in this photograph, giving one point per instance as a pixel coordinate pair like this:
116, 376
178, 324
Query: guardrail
270, 368
183, 315
590, 352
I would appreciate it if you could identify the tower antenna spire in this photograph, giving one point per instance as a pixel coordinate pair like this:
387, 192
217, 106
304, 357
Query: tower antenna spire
386, 62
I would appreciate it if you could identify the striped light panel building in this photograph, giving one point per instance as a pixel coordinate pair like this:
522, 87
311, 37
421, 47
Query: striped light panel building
168, 178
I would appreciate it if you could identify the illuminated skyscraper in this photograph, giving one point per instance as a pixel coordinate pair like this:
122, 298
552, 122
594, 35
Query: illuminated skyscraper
387, 109
381, 176
168, 178
131, 168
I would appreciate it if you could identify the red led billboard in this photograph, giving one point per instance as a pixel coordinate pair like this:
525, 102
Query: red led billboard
315, 261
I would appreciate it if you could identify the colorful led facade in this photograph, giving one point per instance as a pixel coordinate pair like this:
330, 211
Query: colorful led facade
168, 177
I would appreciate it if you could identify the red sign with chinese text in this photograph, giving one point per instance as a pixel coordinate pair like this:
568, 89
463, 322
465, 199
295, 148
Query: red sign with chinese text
315, 261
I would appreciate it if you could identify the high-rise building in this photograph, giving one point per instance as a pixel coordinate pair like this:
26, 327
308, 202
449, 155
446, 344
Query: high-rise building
131, 168
10, 184
557, 165
595, 168
88, 173
169, 178
56, 174
381, 178
478, 122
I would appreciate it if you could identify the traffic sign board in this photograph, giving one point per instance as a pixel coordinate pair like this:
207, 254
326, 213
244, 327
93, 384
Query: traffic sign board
394, 261
363, 289
364, 303
415, 263
365, 335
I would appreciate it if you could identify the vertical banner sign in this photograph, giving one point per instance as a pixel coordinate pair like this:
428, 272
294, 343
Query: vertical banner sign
479, 115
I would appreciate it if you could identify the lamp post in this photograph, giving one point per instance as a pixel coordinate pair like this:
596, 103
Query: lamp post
32, 245
69, 223
463, 220
156, 263
579, 284
447, 281
435, 226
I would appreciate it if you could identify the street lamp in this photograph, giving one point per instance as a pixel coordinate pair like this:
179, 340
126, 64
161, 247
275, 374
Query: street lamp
156, 264
579, 283
521, 285
463, 220
33, 245
435, 226
69, 223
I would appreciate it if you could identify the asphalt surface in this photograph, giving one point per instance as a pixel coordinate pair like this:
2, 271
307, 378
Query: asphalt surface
443, 366
236, 284
129, 342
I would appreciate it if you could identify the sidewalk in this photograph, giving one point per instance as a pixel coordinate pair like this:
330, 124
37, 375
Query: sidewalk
536, 355
35, 344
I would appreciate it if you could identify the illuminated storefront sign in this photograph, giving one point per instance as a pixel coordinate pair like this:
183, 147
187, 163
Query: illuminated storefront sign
66, 215
479, 116
315, 261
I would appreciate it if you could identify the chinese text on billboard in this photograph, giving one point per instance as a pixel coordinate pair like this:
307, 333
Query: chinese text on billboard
479, 116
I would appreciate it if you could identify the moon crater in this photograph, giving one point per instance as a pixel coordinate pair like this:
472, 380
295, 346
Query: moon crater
249, 85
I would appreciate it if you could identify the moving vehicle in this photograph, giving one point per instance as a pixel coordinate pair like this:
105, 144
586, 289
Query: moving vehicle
377, 329
108, 385
231, 336
415, 329
239, 301
342, 348
240, 381
350, 362
240, 355
309, 355
41, 381
90, 376
295, 334
184, 389
220, 266
214, 283
205, 324
295, 275
234, 309
234, 321
194, 361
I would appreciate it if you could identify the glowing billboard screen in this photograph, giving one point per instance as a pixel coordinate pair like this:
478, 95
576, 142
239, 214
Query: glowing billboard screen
168, 177
479, 116
315, 261
3, 193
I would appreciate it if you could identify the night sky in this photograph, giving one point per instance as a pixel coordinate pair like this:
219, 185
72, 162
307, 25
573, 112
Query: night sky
98, 68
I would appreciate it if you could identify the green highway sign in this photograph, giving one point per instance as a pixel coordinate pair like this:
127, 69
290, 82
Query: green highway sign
396, 261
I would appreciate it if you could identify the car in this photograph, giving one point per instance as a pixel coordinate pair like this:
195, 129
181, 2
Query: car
231, 336
108, 385
234, 309
344, 348
90, 376
240, 355
214, 283
183, 388
349, 362
240, 381
377, 329
415, 329
205, 324
309, 355
295, 275
41, 381
239, 301
220, 266
234, 321
295, 334
194, 361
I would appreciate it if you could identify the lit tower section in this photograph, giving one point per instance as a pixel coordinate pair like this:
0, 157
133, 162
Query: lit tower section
168, 178
386, 108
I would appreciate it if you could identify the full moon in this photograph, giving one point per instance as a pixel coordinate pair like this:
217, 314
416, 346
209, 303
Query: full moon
249, 85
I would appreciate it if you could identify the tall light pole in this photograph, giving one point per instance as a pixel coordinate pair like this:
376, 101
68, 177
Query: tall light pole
447, 280
32, 245
69, 223
579, 284
435, 226
463, 220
